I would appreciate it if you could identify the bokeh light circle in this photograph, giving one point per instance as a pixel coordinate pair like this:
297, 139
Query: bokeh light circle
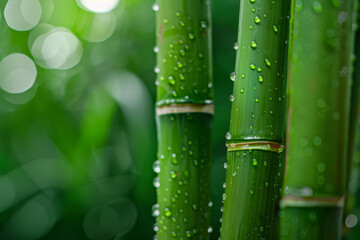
18, 73
22, 15
113, 219
96, 27
55, 48
98, 6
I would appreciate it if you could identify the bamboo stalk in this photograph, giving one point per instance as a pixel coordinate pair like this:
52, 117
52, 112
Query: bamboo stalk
351, 229
319, 86
256, 137
184, 118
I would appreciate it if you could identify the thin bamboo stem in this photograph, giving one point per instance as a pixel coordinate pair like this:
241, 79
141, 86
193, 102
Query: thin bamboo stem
317, 136
256, 138
184, 111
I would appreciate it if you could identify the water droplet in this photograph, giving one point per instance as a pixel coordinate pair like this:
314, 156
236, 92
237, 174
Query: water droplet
317, 141
155, 7
210, 229
336, 116
186, 173
321, 167
182, 52
261, 79
231, 98
156, 227
252, 66
242, 90
275, 28
174, 159
251, 192
167, 212
320, 103
320, 180
336, 3
156, 49
255, 163
180, 64
228, 135
157, 69
156, 182
236, 46
298, 6
317, 7
256, 100
253, 44
252, 1
171, 80
257, 20
234, 174
194, 207
155, 210
226, 164
156, 166
267, 62
232, 76
191, 36
173, 175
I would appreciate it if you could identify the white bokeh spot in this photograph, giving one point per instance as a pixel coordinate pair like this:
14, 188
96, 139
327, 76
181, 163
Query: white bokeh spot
18, 73
98, 6
55, 48
99, 28
22, 15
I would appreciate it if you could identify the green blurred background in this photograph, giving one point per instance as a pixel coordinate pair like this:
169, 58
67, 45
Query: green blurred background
77, 125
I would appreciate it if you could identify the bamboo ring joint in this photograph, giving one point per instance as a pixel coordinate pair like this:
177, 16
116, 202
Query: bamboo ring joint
256, 145
185, 108
296, 201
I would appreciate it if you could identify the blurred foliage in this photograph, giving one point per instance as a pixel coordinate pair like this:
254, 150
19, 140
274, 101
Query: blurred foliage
77, 147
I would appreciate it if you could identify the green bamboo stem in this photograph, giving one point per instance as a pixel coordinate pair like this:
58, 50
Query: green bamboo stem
184, 119
256, 137
352, 211
319, 87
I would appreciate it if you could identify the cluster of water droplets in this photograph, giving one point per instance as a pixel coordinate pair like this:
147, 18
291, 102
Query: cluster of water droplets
265, 70
178, 61
179, 170
269, 187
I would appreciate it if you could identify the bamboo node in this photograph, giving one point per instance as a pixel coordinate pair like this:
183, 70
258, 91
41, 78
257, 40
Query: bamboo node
297, 201
185, 108
256, 145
